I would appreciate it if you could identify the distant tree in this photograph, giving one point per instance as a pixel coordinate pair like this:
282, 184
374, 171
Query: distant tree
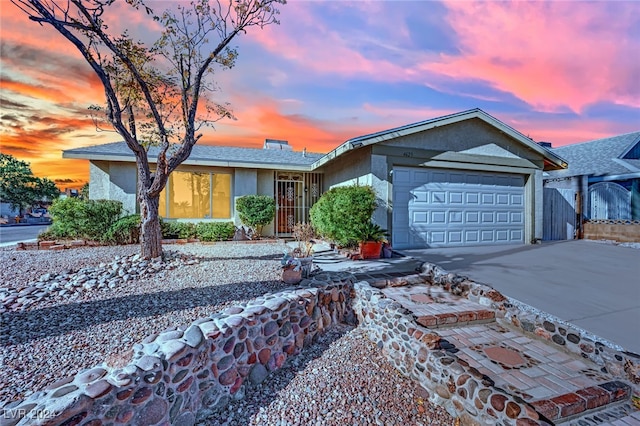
153, 93
84, 191
19, 187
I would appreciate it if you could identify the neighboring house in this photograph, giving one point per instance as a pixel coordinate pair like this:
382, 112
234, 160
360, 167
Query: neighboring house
462, 179
602, 182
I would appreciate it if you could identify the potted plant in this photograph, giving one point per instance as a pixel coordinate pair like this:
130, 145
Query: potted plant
291, 269
370, 237
303, 233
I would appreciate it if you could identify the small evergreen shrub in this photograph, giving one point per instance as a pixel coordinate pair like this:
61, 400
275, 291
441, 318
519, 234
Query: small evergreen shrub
125, 230
215, 231
256, 211
78, 218
342, 209
173, 230
46, 235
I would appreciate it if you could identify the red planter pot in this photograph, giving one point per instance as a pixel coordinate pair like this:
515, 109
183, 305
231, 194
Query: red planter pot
370, 249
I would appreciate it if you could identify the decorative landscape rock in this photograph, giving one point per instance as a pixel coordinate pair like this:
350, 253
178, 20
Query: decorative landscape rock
73, 283
177, 376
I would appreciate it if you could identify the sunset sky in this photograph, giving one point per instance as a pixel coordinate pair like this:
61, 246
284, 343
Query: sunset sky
560, 71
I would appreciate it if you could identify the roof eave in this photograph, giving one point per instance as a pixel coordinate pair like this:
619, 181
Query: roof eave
189, 162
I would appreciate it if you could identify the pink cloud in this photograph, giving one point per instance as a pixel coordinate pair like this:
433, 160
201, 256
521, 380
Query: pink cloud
308, 41
549, 54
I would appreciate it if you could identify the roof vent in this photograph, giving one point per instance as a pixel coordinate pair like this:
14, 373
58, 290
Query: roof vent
545, 144
277, 144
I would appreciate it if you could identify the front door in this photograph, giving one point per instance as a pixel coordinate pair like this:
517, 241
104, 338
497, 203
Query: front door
289, 206
295, 193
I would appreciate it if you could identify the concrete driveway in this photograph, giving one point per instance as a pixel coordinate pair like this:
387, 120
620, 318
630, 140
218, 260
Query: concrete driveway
593, 285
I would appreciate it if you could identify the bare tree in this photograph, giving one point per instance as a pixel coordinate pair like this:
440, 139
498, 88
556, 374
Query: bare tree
157, 95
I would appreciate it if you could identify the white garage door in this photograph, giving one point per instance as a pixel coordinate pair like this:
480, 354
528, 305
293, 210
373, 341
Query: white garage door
446, 208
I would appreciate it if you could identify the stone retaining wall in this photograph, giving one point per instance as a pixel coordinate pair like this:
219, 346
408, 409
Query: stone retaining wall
531, 321
415, 351
179, 375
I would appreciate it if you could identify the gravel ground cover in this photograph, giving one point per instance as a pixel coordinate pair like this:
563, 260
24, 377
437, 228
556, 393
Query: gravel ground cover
341, 379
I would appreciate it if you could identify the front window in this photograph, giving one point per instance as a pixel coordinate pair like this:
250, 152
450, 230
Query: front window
192, 195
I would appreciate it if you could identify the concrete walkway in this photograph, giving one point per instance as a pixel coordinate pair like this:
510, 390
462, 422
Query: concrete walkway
593, 285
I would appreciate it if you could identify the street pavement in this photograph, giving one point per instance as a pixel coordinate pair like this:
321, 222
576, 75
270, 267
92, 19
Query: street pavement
593, 285
10, 235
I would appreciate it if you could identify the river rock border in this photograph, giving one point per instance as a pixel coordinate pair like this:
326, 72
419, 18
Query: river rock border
182, 374
461, 389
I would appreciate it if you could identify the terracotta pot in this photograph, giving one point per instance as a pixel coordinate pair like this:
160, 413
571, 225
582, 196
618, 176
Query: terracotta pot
370, 249
291, 276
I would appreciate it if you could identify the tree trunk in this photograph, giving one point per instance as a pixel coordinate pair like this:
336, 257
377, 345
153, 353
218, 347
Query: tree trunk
150, 232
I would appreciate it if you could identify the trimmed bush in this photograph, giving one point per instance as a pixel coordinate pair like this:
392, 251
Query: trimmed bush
77, 218
342, 209
172, 230
256, 211
125, 230
215, 231
46, 235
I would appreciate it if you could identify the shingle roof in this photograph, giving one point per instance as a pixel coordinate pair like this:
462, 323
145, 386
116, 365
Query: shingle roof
551, 160
598, 157
205, 154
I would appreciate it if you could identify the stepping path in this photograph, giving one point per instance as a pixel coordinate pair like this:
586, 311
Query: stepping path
563, 387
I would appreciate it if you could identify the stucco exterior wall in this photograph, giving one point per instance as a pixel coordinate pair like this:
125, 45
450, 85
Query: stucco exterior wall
114, 181
361, 167
265, 187
353, 168
470, 137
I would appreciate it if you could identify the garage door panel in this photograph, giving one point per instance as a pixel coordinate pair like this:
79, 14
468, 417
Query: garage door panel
438, 217
517, 200
421, 217
488, 199
455, 237
402, 176
502, 235
473, 198
502, 199
440, 208
472, 236
502, 217
487, 217
455, 217
438, 197
516, 217
486, 236
438, 237
472, 216
456, 197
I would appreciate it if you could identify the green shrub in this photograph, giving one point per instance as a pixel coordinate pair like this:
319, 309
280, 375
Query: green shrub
125, 230
256, 211
172, 230
341, 210
215, 231
77, 218
46, 235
